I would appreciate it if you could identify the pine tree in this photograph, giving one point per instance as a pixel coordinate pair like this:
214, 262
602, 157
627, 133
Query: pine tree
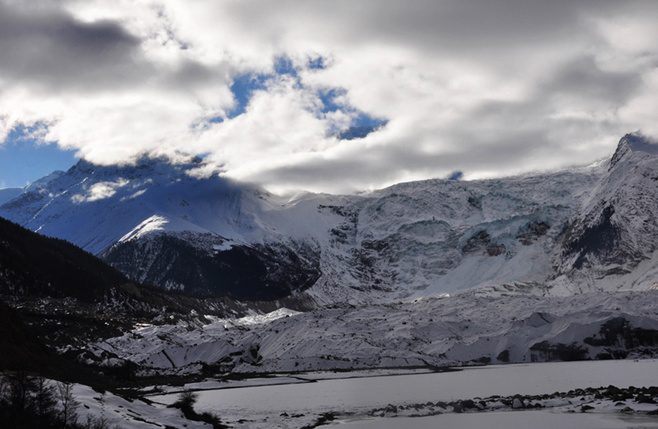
44, 401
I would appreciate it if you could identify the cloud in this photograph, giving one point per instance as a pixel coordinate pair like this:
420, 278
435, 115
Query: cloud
99, 191
46, 47
487, 88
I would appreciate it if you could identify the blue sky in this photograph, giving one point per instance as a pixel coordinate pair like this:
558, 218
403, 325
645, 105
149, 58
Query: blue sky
22, 160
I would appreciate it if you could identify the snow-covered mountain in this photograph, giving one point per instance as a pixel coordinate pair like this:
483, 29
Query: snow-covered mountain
160, 225
433, 237
565, 232
8, 194
612, 242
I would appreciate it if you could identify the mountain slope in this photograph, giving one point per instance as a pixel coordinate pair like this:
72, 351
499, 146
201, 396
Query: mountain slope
54, 295
19, 348
613, 241
433, 237
31, 264
58, 291
565, 232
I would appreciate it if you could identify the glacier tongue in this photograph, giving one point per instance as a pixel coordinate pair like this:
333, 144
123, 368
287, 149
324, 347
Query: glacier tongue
491, 325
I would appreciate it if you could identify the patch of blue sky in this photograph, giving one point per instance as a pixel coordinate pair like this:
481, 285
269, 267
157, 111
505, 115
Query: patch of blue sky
316, 63
361, 123
456, 175
283, 65
23, 160
365, 120
244, 86
328, 98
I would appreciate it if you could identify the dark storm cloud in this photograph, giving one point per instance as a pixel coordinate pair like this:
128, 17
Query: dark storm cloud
458, 25
515, 151
584, 78
468, 28
49, 46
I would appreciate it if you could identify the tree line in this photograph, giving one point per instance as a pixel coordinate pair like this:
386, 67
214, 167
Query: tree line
35, 402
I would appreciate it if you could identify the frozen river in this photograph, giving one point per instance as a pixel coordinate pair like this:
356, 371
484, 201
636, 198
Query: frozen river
366, 393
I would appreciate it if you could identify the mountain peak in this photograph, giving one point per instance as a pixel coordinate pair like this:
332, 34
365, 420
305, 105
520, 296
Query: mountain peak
633, 143
159, 165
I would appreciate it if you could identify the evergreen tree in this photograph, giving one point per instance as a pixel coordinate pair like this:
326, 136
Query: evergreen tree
44, 401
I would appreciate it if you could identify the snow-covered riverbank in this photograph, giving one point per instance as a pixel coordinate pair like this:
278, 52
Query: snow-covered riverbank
539, 419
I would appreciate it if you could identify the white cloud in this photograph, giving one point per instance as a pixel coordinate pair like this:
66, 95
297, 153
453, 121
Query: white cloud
99, 191
486, 87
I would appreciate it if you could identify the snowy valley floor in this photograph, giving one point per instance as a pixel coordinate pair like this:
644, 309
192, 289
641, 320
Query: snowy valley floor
515, 396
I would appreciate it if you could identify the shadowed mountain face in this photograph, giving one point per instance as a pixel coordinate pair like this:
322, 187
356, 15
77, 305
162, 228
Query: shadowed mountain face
612, 241
34, 272
243, 272
32, 264
567, 232
19, 347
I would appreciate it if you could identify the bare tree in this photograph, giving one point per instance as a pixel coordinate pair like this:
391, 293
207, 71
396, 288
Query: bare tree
69, 414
